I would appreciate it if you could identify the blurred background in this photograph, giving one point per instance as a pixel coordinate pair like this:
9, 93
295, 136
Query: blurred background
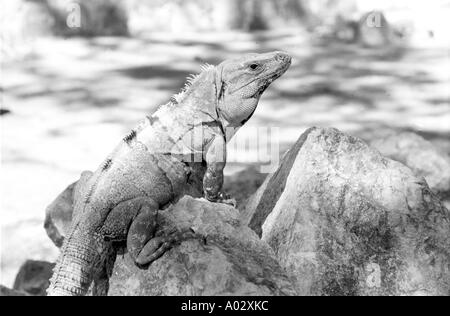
76, 75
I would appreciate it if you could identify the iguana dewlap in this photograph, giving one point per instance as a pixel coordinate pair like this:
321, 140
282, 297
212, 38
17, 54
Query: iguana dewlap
156, 164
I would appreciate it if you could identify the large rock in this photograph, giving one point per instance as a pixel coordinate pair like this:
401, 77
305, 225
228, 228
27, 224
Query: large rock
58, 215
33, 277
344, 220
230, 260
267, 195
421, 156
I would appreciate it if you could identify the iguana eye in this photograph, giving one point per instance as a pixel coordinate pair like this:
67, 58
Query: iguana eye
254, 66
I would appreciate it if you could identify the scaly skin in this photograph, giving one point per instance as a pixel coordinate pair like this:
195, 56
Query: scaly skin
156, 164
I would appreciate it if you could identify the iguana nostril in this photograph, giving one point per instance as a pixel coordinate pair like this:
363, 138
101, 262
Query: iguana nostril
284, 57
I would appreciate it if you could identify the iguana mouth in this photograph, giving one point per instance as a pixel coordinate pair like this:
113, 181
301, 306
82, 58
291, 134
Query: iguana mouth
263, 88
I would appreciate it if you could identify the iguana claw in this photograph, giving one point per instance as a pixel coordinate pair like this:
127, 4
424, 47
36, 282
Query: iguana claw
224, 199
231, 202
162, 242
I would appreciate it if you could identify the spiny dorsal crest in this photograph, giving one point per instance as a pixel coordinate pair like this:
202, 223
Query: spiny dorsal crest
190, 81
206, 67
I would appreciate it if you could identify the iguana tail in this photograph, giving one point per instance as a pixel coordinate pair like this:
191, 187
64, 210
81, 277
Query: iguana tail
75, 266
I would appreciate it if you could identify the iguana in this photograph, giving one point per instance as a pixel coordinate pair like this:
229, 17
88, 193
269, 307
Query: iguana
156, 164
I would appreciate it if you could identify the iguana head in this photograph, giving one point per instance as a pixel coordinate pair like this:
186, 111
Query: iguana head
241, 82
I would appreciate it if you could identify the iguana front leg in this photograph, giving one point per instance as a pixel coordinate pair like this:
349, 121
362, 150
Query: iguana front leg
215, 157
